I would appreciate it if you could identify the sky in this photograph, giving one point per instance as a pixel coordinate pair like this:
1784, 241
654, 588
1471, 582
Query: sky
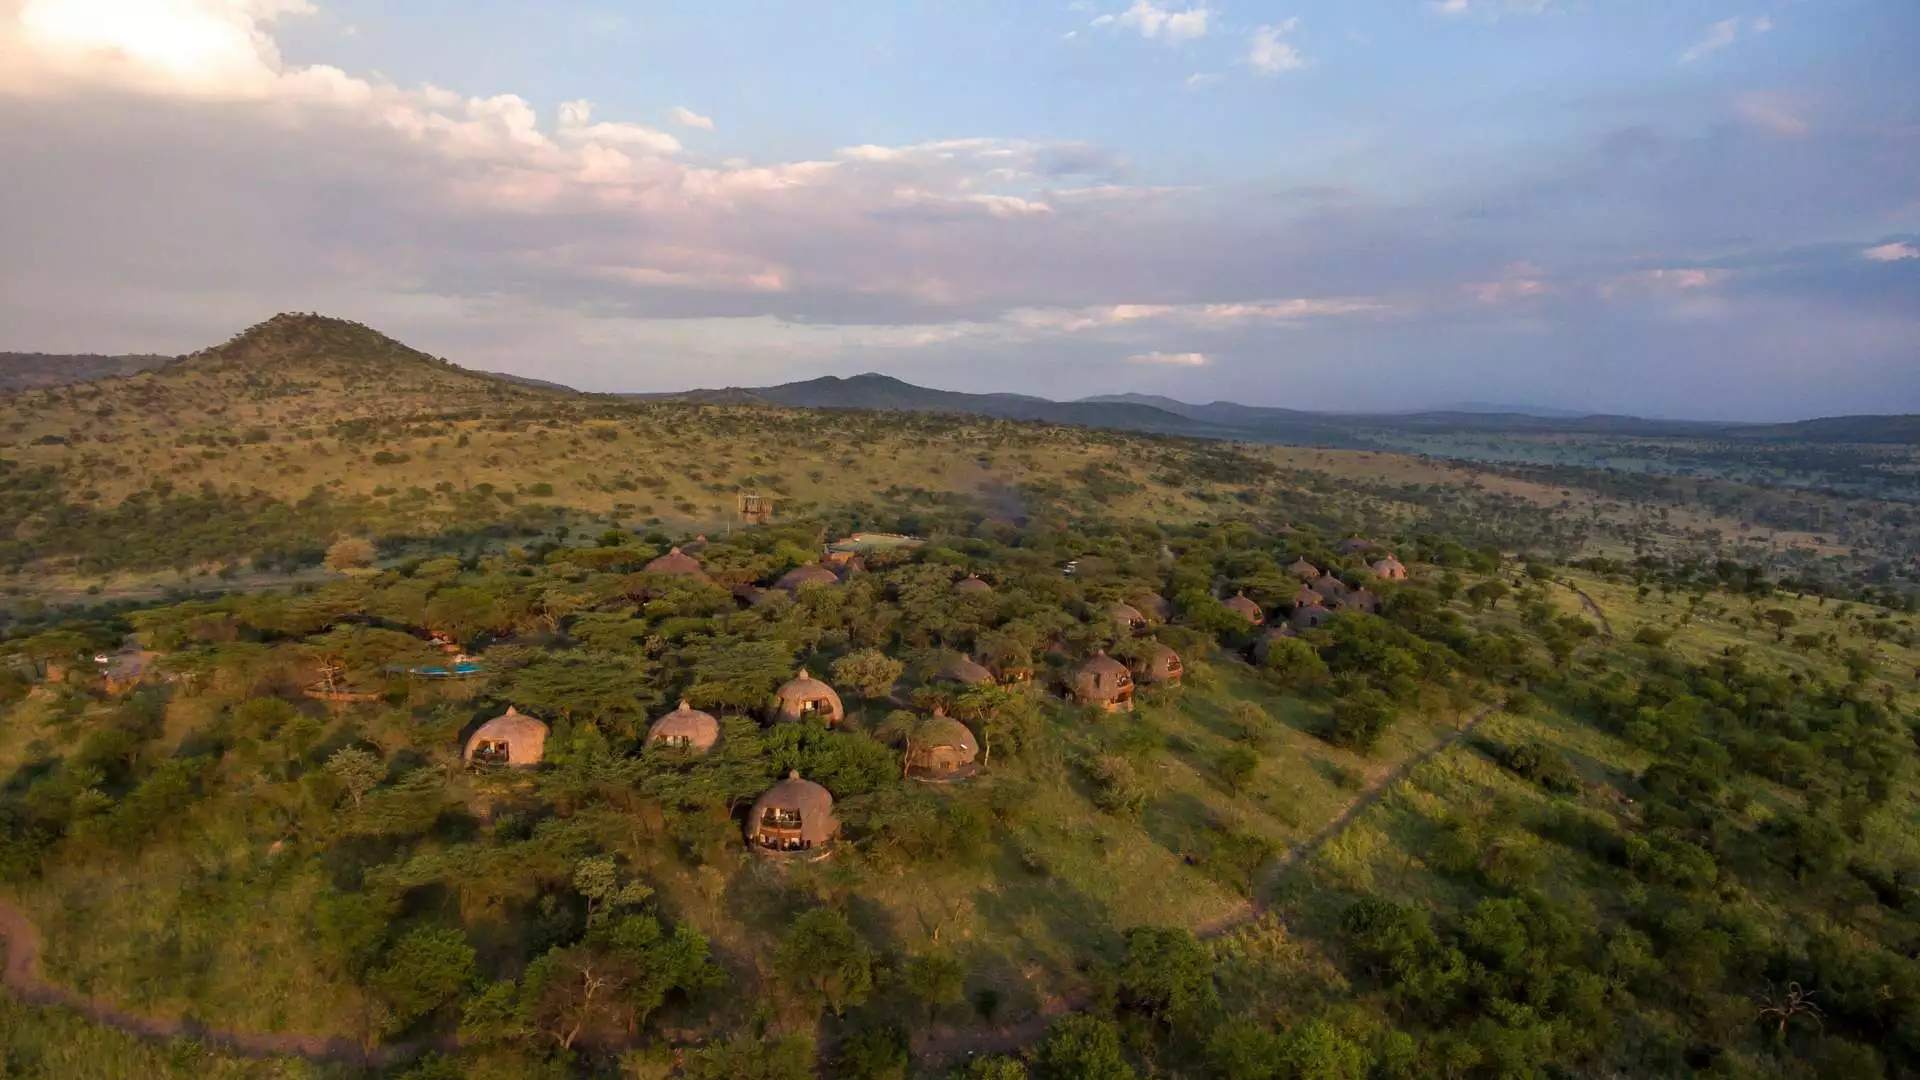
1685, 208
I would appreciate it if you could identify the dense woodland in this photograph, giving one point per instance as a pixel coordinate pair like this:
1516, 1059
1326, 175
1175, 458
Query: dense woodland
1604, 786
1739, 900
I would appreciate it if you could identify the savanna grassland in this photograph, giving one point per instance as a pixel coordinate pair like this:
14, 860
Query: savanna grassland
1606, 786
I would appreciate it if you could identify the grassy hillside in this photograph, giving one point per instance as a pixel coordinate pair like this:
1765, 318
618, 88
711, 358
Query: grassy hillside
199, 847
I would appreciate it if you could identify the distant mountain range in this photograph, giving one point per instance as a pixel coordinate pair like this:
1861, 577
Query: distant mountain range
1227, 420
27, 370
1127, 412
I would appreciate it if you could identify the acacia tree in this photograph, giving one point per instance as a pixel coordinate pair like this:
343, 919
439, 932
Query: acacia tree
823, 960
869, 673
936, 979
357, 770
348, 554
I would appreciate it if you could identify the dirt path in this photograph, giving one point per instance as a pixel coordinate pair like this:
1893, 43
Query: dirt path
1586, 603
947, 1047
22, 976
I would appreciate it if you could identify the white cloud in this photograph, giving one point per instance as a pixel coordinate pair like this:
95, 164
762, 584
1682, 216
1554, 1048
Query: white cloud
1203, 78
576, 124
1269, 55
1894, 252
1724, 33
1669, 280
1772, 113
686, 117
1218, 315
1450, 7
1153, 21
197, 46
1172, 359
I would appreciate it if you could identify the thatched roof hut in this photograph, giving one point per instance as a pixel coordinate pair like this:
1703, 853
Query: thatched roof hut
1158, 665
1389, 569
1154, 606
971, 585
1360, 600
805, 696
678, 564
1104, 682
962, 669
810, 574
1306, 597
512, 738
1126, 616
1240, 605
1329, 587
686, 727
941, 748
1303, 570
1306, 618
794, 815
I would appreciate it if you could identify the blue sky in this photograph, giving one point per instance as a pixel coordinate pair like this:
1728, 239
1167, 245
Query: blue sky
1696, 208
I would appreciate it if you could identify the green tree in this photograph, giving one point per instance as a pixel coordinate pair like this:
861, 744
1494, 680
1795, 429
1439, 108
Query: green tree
357, 770
1081, 1047
1167, 975
1293, 664
598, 879
869, 673
1317, 1050
822, 960
1360, 719
935, 979
424, 970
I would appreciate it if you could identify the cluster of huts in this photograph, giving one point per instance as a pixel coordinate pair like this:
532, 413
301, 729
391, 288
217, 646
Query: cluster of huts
795, 815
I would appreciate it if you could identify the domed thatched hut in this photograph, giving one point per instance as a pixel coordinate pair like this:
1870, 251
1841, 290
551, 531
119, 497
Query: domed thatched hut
686, 727
806, 696
810, 574
963, 670
677, 563
1360, 600
1303, 570
1308, 617
794, 815
941, 748
1330, 587
1126, 616
971, 585
1104, 682
1306, 597
1154, 607
1389, 569
1158, 665
1246, 608
512, 738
